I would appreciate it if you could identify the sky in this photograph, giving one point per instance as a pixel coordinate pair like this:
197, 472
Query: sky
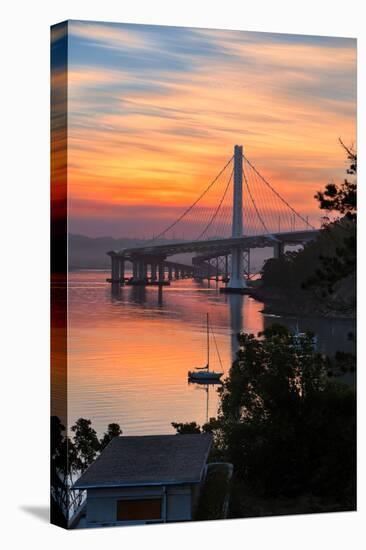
154, 113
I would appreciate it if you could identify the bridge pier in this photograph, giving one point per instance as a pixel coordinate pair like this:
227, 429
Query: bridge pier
122, 270
161, 271
237, 282
246, 262
153, 271
278, 249
237, 270
141, 270
117, 268
170, 273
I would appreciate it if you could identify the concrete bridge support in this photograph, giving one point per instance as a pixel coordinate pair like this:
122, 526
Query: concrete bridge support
153, 271
161, 271
237, 282
246, 263
278, 249
237, 270
122, 270
141, 270
115, 274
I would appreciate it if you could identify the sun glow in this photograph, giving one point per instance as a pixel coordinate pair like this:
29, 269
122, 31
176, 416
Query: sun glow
153, 114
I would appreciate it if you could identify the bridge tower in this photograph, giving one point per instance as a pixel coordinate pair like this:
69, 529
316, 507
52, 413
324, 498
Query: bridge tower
237, 281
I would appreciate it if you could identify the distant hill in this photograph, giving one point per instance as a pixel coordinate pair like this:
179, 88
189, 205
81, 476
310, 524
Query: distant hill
89, 253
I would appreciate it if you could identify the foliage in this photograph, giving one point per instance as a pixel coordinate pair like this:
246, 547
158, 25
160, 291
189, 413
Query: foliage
341, 198
272, 375
186, 428
212, 426
86, 444
70, 457
340, 262
293, 268
342, 363
323, 264
286, 427
214, 492
337, 266
113, 431
59, 489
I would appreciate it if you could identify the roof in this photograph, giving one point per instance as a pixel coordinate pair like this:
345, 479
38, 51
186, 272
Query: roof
149, 460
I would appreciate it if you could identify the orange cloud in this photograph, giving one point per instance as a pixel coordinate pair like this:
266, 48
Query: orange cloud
137, 137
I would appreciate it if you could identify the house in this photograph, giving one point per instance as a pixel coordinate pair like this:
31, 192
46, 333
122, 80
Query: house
146, 479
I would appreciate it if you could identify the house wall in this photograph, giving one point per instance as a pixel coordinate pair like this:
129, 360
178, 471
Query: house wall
179, 503
102, 503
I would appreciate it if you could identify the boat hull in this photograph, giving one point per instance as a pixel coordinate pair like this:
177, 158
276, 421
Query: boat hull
203, 376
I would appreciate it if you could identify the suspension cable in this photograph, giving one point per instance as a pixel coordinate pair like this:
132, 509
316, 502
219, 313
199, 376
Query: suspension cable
192, 205
254, 204
217, 208
278, 195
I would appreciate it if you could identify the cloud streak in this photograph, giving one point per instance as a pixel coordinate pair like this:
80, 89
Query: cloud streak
154, 112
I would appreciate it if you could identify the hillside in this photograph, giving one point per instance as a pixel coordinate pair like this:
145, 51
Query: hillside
89, 253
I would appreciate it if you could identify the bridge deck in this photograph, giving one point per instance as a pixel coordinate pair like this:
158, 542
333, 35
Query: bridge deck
259, 241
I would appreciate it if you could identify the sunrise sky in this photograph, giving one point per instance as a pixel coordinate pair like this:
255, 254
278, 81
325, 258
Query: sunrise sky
154, 113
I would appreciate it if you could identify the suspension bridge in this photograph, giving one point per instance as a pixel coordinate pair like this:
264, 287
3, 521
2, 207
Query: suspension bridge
237, 212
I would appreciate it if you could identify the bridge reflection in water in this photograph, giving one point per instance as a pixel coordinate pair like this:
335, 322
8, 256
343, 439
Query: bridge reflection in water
129, 354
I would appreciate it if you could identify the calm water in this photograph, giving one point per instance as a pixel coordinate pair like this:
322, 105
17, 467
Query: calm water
129, 354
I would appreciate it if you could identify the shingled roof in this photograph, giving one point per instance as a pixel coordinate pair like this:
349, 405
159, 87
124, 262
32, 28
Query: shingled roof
149, 460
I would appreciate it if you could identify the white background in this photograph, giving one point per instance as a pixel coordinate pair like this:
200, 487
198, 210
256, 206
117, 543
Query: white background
25, 259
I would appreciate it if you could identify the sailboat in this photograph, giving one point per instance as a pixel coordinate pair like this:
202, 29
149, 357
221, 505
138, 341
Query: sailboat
204, 374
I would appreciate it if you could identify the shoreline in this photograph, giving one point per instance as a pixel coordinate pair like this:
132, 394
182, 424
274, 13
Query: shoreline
274, 300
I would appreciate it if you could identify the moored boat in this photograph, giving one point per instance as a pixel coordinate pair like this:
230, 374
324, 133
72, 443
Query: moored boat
203, 374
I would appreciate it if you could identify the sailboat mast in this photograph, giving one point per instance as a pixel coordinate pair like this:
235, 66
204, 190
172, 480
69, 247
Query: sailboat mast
208, 346
207, 390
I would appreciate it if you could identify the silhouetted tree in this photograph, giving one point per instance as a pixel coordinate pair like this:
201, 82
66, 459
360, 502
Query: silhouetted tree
59, 490
86, 444
63, 464
329, 261
69, 458
288, 429
113, 430
342, 198
186, 427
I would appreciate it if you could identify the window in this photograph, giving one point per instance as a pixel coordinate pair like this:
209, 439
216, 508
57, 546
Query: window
141, 509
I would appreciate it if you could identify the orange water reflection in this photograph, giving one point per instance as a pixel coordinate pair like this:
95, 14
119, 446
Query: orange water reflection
129, 355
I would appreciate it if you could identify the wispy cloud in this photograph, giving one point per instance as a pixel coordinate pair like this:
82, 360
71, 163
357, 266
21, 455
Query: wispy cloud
154, 111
